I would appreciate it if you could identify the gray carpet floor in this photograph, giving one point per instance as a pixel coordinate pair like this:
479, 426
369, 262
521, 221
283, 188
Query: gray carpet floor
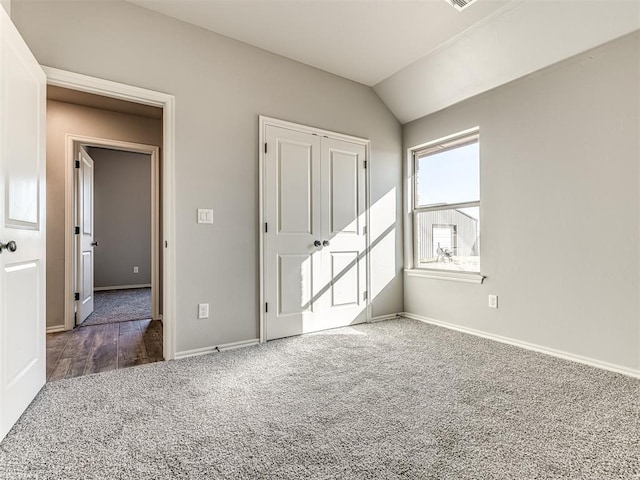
113, 306
392, 400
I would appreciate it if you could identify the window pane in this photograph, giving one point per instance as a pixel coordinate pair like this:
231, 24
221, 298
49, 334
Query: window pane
448, 239
449, 177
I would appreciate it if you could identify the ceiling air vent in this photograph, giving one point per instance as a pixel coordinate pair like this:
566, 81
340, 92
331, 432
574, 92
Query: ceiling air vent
460, 4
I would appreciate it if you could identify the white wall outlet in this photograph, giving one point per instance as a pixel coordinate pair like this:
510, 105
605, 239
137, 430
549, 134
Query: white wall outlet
205, 215
493, 301
136, 270
203, 310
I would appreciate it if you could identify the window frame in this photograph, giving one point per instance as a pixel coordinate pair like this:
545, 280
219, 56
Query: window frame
441, 145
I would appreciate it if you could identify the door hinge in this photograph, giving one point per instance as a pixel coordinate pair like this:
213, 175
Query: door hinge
76, 230
76, 296
265, 148
77, 163
365, 295
364, 230
266, 227
365, 164
266, 308
166, 244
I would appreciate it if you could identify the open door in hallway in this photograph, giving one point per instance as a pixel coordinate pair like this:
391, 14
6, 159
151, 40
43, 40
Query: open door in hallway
22, 193
86, 243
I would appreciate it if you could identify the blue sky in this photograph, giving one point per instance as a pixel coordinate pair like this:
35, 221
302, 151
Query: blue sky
450, 177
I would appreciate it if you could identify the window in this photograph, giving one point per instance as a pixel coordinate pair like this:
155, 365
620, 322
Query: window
446, 204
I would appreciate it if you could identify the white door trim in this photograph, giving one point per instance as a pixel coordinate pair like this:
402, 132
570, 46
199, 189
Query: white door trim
84, 83
264, 121
72, 146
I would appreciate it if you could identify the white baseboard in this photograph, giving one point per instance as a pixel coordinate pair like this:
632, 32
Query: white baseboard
122, 287
382, 318
218, 348
56, 329
530, 346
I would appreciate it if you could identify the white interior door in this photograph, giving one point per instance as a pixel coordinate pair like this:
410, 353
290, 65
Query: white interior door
292, 262
85, 241
22, 225
344, 233
315, 243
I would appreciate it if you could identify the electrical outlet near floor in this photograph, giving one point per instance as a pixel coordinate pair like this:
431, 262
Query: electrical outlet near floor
203, 310
136, 270
493, 301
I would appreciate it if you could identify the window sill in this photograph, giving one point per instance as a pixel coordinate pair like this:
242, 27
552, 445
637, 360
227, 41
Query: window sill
465, 277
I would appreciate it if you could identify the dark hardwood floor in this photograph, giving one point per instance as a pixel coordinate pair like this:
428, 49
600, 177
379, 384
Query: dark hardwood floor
100, 348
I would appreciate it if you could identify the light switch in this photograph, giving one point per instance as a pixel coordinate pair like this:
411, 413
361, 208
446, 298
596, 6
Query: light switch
203, 310
205, 215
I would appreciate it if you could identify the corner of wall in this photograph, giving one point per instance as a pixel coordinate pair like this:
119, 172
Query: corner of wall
7, 6
375, 92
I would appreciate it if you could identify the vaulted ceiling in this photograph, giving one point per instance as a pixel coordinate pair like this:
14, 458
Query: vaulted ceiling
419, 55
365, 41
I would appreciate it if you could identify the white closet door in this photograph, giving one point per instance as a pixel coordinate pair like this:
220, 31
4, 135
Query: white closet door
344, 233
292, 211
315, 246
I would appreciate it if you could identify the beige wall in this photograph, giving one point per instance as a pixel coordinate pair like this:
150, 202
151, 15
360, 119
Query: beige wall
7, 5
122, 220
560, 215
62, 119
221, 86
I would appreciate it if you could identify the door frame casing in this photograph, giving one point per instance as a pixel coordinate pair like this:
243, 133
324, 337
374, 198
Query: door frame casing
73, 143
265, 121
84, 83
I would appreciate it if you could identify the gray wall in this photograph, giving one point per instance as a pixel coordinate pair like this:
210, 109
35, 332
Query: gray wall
122, 220
62, 119
221, 86
559, 173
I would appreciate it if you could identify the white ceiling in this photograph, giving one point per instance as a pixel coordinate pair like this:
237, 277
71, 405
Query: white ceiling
420, 56
363, 40
524, 37
86, 99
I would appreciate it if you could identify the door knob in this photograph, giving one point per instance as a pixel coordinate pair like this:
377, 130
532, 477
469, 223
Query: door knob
95, 244
11, 246
325, 243
317, 243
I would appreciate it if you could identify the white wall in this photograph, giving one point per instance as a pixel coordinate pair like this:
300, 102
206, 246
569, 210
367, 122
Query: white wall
560, 214
7, 5
221, 86
122, 220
